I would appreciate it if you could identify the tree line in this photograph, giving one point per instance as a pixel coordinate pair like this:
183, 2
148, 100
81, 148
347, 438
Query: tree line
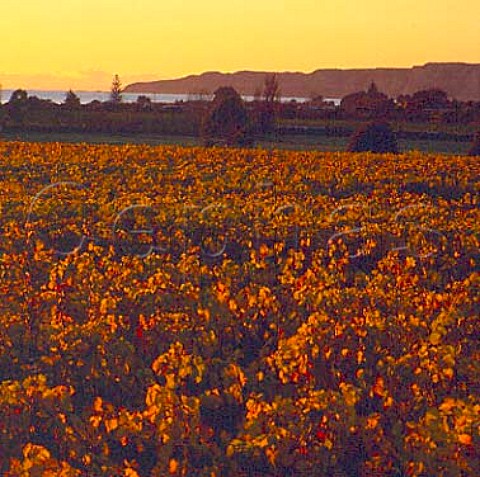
228, 119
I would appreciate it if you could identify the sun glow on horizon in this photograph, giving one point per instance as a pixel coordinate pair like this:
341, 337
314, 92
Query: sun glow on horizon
80, 44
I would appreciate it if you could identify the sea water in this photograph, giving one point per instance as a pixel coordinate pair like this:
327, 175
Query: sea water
89, 96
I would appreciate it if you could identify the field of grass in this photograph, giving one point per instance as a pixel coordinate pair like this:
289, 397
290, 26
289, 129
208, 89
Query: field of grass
102, 138
296, 142
326, 143
181, 311
453, 128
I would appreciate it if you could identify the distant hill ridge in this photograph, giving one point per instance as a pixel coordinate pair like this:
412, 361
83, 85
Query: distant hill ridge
460, 80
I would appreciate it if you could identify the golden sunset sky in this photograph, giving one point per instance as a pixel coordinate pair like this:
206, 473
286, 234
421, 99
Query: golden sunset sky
81, 44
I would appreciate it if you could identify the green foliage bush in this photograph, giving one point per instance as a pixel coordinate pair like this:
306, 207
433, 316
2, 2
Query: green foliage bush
374, 137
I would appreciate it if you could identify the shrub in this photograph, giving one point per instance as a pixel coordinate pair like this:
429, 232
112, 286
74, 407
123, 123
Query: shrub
374, 137
475, 149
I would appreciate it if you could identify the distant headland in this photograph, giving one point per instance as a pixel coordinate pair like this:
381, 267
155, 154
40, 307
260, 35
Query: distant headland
460, 80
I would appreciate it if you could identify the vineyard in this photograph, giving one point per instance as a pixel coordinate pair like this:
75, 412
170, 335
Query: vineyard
173, 311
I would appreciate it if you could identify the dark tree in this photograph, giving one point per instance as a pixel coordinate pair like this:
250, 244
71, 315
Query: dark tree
144, 103
475, 149
226, 119
374, 137
266, 110
373, 89
17, 106
72, 101
19, 96
421, 105
370, 104
433, 98
271, 89
116, 91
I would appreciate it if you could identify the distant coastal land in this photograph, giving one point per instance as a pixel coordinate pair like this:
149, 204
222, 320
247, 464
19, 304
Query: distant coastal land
459, 80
